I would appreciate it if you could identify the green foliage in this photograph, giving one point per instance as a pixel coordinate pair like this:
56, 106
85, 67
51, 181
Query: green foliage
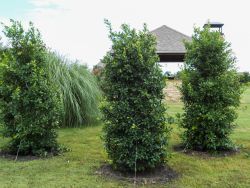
2, 50
29, 102
178, 75
211, 92
79, 90
244, 77
135, 131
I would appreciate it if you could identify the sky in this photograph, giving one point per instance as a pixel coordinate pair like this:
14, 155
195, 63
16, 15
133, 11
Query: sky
76, 29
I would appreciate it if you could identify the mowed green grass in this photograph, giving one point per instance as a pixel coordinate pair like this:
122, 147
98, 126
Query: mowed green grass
77, 167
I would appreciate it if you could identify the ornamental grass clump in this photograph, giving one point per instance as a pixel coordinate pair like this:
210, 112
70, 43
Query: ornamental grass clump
80, 93
211, 92
29, 101
135, 131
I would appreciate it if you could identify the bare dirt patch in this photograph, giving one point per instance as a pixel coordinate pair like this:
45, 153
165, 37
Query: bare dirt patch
161, 174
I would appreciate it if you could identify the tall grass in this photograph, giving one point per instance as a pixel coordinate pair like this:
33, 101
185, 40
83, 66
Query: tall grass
79, 90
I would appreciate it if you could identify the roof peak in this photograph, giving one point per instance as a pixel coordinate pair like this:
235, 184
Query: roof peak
169, 40
170, 28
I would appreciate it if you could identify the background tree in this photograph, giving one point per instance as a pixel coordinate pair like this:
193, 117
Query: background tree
29, 102
211, 92
2, 49
244, 77
134, 115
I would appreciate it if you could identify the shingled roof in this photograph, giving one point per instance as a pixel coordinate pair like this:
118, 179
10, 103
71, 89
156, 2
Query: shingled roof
170, 40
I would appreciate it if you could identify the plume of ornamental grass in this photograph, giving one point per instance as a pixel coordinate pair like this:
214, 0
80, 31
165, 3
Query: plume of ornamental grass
78, 89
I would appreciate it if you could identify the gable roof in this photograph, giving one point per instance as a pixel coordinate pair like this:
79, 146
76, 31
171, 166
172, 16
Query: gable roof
170, 40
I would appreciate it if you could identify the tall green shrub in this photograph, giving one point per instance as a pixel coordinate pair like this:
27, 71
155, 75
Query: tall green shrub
135, 131
211, 92
29, 102
79, 90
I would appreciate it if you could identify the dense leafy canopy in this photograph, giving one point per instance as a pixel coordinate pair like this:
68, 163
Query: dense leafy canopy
135, 126
29, 102
211, 92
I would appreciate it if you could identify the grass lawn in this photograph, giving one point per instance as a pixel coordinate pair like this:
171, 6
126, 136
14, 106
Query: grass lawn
77, 167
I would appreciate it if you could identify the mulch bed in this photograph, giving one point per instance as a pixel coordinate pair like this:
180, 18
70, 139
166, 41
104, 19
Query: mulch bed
161, 174
206, 154
12, 157
21, 158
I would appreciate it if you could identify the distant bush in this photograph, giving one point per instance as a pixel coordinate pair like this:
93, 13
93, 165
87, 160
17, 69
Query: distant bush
29, 102
211, 92
135, 131
244, 77
178, 75
97, 71
79, 90
2, 50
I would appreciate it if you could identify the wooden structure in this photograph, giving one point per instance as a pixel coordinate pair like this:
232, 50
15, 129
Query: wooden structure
215, 25
170, 46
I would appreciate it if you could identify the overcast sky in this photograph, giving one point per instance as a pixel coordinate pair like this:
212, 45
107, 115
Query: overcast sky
75, 27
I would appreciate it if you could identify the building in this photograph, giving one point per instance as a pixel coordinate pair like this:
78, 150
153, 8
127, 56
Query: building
170, 44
